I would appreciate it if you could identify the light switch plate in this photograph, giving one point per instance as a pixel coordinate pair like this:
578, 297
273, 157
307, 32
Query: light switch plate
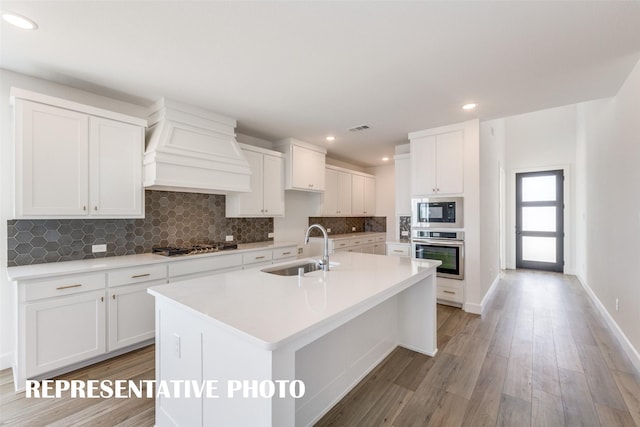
99, 248
353, 229
404, 233
229, 238
270, 235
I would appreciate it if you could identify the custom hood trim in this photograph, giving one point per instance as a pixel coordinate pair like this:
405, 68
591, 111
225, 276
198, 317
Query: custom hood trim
193, 150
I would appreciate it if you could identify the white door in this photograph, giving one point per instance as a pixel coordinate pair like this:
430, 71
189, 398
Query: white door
115, 153
450, 167
344, 193
273, 185
369, 196
252, 203
423, 166
131, 315
63, 331
357, 195
51, 161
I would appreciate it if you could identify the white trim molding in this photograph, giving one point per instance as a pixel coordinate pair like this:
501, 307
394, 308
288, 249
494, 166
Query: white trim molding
474, 308
629, 349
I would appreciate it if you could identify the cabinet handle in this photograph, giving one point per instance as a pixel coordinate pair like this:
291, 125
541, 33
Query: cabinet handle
95, 208
266, 210
259, 257
286, 253
433, 190
113, 296
437, 189
84, 208
69, 287
141, 275
397, 250
449, 292
101, 299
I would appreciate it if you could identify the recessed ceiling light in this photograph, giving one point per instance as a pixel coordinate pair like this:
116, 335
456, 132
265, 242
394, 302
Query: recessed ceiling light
385, 159
469, 106
19, 21
331, 138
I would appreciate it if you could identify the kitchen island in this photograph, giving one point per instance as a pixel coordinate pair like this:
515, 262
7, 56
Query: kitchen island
324, 329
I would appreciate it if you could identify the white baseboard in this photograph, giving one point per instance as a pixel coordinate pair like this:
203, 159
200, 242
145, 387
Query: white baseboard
474, 308
6, 361
629, 349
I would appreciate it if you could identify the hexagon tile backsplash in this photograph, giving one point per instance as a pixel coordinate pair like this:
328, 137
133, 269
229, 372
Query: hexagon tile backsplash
171, 219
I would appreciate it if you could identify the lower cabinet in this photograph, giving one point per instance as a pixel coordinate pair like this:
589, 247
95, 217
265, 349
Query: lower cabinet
374, 248
131, 315
62, 331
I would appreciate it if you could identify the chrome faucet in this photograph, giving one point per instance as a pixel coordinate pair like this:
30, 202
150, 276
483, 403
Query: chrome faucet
325, 257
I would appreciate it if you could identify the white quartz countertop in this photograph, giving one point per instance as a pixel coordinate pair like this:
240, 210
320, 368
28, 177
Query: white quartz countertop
352, 235
36, 271
270, 310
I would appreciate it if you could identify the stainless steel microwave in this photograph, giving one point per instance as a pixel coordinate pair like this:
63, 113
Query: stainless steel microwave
436, 212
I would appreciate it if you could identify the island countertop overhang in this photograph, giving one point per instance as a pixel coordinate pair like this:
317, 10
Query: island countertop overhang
270, 311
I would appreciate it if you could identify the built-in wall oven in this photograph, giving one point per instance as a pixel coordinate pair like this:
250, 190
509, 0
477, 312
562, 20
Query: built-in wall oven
437, 212
445, 246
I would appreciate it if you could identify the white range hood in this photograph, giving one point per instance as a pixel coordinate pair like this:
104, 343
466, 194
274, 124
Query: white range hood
193, 150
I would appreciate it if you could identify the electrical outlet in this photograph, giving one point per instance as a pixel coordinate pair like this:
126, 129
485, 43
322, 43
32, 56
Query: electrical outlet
229, 238
270, 235
617, 304
353, 229
99, 248
404, 233
328, 230
300, 250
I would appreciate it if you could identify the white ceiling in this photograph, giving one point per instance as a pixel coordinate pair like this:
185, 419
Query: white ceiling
310, 69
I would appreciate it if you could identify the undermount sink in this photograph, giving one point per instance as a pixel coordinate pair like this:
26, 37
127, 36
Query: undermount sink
293, 269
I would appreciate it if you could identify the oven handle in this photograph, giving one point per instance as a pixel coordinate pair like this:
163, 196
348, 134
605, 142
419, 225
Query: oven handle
439, 242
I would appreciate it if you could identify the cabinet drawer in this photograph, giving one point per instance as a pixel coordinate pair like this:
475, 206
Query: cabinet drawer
64, 285
287, 252
381, 238
369, 239
340, 244
210, 263
358, 241
399, 250
257, 256
450, 293
136, 275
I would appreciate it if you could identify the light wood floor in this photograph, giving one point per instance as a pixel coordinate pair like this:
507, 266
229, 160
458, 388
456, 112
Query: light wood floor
541, 356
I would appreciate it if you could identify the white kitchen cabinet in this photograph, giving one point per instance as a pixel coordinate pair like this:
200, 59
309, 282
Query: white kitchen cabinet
62, 331
399, 249
364, 195
403, 184
374, 248
267, 186
70, 163
336, 199
304, 165
131, 315
437, 164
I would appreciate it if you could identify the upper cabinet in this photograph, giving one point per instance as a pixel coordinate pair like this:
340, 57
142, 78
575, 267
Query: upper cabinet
267, 186
75, 161
364, 195
403, 184
336, 199
348, 193
437, 163
304, 165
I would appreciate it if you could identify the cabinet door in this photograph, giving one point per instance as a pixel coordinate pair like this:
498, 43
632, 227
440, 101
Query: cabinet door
369, 249
403, 186
307, 169
330, 195
115, 153
423, 166
252, 203
273, 169
131, 315
65, 330
51, 161
369, 196
357, 194
450, 158
344, 193
379, 249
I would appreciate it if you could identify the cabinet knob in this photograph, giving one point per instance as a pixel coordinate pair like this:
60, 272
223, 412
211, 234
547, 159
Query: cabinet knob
433, 190
101, 299
266, 210
114, 296
95, 208
84, 208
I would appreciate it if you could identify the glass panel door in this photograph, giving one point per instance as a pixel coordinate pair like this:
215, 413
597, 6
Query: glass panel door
539, 220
